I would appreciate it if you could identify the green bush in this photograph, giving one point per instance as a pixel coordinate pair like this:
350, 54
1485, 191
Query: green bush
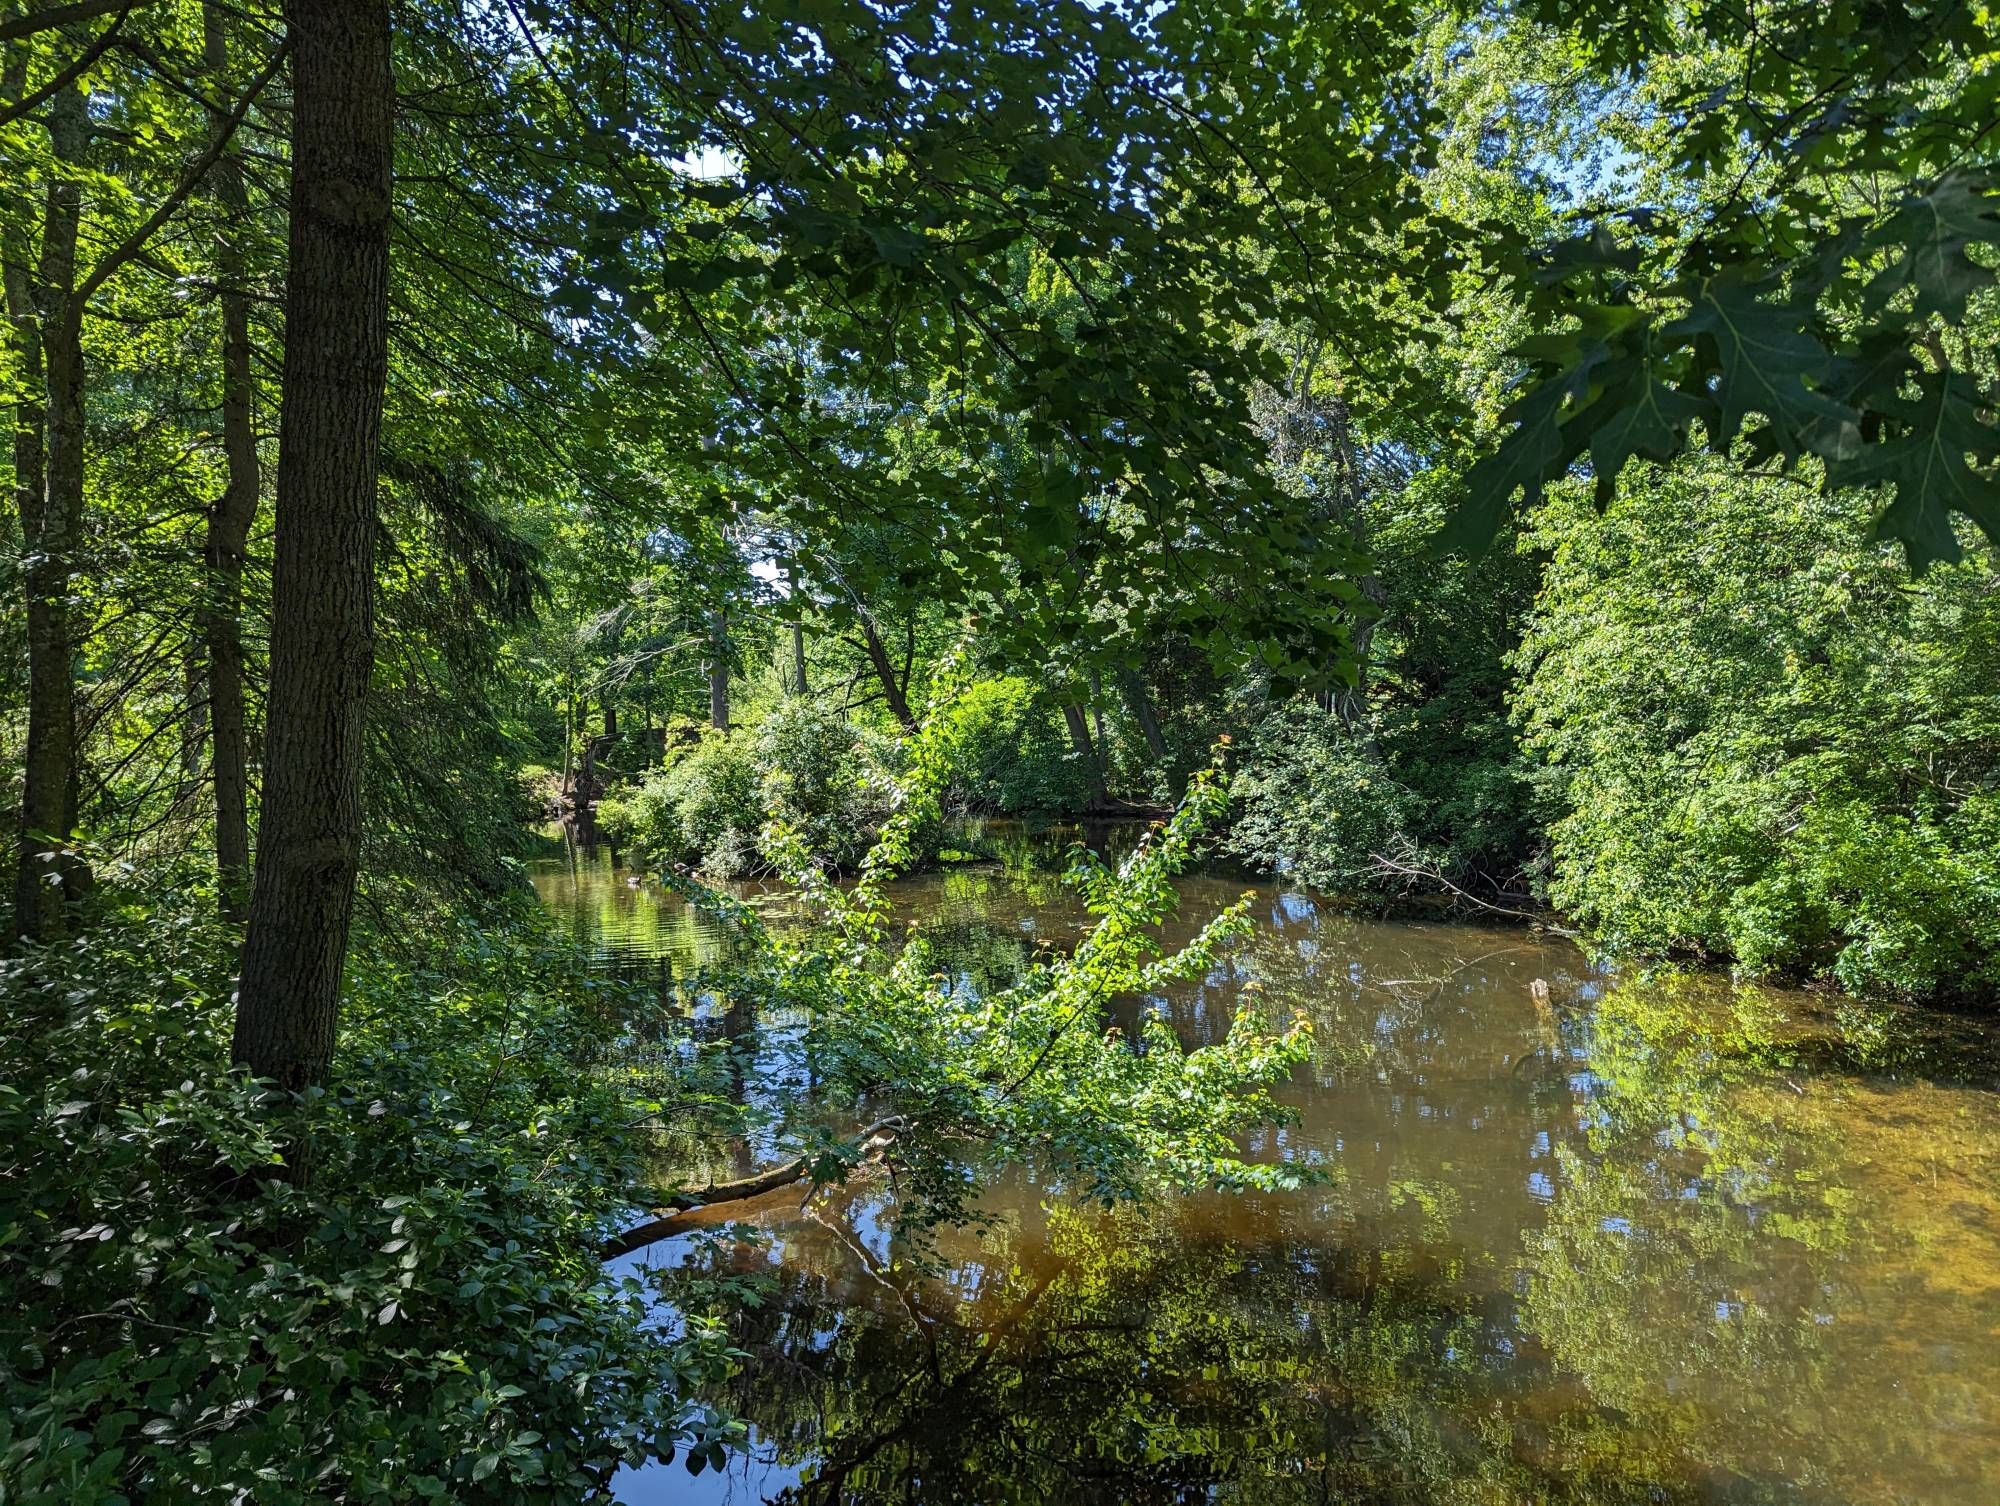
1008, 752
1429, 777
802, 764
1315, 803
1767, 741
427, 1319
812, 776
701, 810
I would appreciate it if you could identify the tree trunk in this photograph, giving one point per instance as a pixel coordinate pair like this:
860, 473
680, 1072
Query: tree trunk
885, 672
718, 675
30, 418
51, 522
322, 607
1350, 704
799, 686
194, 718
610, 719
1079, 739
1142, 713
231, 516
565, 787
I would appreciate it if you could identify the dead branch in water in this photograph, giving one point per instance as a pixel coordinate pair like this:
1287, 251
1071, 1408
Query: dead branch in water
669, 1218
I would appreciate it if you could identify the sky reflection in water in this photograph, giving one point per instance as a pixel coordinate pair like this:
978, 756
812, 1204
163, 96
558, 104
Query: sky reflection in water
1663, 1242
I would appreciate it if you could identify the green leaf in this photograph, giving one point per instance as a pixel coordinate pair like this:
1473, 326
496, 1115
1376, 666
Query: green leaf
1526, 457
1933, 231
1762, 356
1642, 416
1926, 463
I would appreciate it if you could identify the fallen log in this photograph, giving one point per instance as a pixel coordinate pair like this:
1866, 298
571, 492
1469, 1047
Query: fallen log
670, 1217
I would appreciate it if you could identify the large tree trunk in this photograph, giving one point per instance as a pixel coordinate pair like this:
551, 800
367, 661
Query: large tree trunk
29, 437
885, 673
233, 513
718, 674
322, 608
1079, 739
1142, 713
45, 879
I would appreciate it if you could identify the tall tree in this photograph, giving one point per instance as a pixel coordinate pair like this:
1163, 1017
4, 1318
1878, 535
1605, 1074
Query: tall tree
231, 515
718, 672
51, 523
322, 629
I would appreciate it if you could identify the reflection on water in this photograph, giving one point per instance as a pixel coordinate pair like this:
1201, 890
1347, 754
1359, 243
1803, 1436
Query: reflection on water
1589, 1240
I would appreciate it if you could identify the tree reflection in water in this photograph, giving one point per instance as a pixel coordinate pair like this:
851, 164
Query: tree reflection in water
1594, 1241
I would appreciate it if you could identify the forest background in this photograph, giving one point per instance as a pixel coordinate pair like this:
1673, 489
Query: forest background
1553, 444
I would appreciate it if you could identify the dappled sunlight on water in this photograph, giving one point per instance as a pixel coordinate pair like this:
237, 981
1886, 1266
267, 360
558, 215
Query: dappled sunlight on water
1582, 1238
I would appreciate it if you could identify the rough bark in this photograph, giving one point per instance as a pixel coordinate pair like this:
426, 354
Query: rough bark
233, 514
29, 426
322, 627
45, 879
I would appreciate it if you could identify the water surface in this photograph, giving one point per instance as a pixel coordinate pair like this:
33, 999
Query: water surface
1589, 1238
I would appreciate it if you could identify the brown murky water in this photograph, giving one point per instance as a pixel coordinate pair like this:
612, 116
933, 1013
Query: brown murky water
1629, 1242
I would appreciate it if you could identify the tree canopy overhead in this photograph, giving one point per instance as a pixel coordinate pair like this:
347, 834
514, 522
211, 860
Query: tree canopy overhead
1531, 459
1794, 274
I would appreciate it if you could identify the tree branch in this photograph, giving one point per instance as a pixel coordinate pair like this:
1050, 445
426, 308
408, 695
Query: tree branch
29, 25
669, 1219
69, 75
191, 180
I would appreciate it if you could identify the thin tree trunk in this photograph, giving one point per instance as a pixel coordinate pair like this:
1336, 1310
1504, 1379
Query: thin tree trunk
1079, 739
1350, 704
799, 686
194, 717
46, 879
885, 672
718, 674
322, 618
1097, 709
564, 787
232, 515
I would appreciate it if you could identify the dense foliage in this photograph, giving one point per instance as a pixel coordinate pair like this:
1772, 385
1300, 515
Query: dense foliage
1004, 745
1768, 741
423, 417
427, 1319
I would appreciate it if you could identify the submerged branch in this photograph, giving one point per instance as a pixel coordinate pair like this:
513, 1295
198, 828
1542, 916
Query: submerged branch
670, 1218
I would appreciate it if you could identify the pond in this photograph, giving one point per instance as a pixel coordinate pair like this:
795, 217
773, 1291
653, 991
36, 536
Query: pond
1589, 1238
